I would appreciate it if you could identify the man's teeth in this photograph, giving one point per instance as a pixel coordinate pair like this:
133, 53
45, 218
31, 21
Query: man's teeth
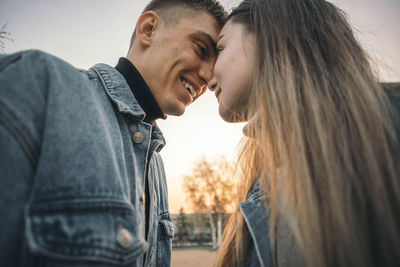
189, 87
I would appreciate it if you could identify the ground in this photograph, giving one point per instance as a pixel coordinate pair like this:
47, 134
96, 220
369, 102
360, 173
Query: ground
192, 258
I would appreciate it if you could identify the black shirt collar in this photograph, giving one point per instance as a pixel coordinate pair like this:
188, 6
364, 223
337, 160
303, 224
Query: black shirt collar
140, 90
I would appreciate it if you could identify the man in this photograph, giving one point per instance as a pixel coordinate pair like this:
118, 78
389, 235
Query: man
81, 178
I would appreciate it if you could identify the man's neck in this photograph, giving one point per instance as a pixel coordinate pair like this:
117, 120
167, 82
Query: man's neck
140, 90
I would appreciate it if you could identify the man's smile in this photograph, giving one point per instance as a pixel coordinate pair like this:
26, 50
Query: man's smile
193, 89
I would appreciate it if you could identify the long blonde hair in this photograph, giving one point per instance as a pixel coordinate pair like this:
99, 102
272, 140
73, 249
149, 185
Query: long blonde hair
324, 121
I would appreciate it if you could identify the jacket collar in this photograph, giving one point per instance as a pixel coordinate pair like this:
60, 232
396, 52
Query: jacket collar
257, 220
119, 92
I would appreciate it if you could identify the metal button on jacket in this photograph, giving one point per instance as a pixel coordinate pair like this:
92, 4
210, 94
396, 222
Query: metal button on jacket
138, 137
124, 238
143, 198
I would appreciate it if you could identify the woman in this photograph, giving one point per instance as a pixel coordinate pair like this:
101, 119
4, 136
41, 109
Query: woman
320, 164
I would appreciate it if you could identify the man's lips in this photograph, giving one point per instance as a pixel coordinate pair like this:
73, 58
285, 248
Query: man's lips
193, 88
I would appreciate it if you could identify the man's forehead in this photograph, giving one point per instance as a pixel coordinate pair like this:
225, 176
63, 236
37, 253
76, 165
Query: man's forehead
203, 24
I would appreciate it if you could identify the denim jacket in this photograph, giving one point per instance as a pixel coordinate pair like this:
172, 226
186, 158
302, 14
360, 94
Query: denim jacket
257, 221
74, 150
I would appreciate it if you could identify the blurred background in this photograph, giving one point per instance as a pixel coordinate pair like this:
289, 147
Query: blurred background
98, 31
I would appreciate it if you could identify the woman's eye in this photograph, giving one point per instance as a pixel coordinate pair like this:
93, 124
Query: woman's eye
219, 49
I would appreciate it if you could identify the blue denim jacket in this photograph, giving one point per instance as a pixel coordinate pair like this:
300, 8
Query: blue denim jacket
73, 156
257, 221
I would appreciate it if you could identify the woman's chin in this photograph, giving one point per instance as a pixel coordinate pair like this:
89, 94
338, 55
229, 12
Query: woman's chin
231, 117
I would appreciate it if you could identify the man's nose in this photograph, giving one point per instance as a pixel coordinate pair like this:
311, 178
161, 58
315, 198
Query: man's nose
212, 84
206, 71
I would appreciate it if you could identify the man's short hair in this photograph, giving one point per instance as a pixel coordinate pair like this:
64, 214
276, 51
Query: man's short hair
168, 10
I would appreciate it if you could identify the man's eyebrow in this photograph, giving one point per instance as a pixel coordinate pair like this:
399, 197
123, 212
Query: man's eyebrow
210, 39
220, 37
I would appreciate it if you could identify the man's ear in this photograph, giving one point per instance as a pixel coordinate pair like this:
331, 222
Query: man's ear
146, 27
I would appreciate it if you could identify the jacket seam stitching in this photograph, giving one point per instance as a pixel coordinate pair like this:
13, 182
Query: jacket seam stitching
18, 137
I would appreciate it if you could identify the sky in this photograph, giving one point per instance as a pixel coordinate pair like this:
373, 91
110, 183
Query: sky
98, 31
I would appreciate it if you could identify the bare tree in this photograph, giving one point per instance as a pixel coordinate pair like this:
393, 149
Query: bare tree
4, 35
210, 189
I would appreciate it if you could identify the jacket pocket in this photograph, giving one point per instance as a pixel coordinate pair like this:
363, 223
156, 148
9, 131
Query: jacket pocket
167, 229
165, 235
88, 231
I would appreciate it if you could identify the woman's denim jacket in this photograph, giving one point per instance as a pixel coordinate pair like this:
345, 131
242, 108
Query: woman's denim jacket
257, 221
74, 151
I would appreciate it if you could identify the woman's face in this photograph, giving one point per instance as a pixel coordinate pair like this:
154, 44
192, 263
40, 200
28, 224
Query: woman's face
233, 71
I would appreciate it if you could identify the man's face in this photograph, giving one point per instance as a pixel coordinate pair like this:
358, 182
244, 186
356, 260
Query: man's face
182, 57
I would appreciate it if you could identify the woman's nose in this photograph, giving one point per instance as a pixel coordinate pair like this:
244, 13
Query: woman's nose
212, 84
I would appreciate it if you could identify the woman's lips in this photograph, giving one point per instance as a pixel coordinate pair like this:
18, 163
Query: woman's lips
217, 93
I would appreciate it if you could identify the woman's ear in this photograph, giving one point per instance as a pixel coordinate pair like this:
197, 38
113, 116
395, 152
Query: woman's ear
146, 27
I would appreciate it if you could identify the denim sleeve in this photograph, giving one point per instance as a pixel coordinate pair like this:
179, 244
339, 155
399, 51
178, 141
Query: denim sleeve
23, 82
15, 168
21, 111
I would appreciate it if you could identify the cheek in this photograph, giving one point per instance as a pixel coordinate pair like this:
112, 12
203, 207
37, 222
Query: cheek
234, 98
229, 95
224, 66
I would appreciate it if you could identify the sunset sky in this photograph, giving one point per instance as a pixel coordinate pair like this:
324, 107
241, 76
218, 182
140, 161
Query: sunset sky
98, 31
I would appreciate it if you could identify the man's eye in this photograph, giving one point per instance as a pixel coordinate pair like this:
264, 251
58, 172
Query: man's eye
202, 50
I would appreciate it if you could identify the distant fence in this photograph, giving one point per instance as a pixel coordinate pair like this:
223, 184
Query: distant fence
192, 239
193, 230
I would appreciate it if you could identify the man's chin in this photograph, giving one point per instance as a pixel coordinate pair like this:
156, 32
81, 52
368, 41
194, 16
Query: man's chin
176, 111
180, 113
